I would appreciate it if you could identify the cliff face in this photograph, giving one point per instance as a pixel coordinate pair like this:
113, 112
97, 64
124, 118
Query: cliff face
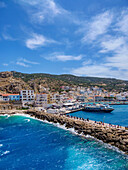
9, 84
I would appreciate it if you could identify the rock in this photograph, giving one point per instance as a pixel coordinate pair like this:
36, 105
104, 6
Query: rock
117, 144
88, 131
79, 131
122, 142
6, 74
111, 143
126, 141
69, 125
123, 147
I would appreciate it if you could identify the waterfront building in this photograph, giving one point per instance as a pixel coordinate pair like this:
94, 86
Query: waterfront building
119, 97
99, 98
90, 98
27, 96
9, 97
50, 99
14, 97
5, 97
1, 97
57, 97
81, 98
41, 100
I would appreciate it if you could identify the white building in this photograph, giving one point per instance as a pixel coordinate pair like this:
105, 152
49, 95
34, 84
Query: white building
119, 97
41, 100
1, 97
81, 98
27, 96
57, 97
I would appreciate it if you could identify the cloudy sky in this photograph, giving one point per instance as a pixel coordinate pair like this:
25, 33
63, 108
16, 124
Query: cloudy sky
80, 37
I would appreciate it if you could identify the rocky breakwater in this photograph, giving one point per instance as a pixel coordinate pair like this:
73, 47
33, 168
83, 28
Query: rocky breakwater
115, 137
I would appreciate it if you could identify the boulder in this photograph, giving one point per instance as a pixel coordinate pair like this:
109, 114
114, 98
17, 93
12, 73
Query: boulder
126, 141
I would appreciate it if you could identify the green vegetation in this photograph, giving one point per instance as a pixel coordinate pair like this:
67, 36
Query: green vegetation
56, 81
14, 82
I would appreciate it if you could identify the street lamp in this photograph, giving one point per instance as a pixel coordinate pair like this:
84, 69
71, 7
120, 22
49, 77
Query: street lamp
103, 119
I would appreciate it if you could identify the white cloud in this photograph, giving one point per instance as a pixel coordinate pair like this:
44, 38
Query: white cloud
122, 24
2, 5
55, 9
27, 61
97, 26
100, 70
119, 60
5, 64
37, 41
8, 37
111, 43
42, 10
63, 57
22, 64
107, 33
115, 65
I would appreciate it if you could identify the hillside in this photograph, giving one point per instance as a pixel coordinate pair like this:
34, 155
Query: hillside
15, 81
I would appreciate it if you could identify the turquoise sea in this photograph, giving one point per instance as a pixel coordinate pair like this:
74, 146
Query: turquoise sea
29, 144
117, 117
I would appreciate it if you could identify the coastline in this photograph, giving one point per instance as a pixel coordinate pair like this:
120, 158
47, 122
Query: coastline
111, 136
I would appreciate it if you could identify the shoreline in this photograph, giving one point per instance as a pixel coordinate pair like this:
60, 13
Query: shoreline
117, 138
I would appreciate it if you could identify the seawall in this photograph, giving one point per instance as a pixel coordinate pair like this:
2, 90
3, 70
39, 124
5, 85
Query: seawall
114, 136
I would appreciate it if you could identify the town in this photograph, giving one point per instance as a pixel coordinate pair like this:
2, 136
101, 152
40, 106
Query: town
69, 99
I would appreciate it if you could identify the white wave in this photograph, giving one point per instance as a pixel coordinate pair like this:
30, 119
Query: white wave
5, 115
109, 146
27, 120
1, 145
5, 153
89, 136
22, 114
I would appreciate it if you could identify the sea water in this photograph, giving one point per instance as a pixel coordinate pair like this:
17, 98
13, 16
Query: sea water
26, 143
117, 117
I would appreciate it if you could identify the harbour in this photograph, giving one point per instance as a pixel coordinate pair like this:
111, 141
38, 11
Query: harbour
38, 144
116, 135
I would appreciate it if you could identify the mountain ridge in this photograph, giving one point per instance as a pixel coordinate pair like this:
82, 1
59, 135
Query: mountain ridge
19, 81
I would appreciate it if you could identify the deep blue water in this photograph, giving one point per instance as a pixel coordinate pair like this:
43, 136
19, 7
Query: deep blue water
117, 117
27, 143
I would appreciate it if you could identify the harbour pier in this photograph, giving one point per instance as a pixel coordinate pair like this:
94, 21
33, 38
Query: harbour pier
114, 136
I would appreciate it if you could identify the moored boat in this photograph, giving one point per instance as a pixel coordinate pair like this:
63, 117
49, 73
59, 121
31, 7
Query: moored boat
98, 108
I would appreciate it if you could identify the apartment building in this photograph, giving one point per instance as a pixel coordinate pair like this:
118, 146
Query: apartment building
41, 100
27, 96
1, 97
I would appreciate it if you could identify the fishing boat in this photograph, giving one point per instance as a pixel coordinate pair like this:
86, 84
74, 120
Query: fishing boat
98, 108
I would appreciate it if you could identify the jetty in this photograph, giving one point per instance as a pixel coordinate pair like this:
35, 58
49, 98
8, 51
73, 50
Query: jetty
115, 136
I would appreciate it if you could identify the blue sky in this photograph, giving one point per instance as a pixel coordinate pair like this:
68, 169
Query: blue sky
80, 37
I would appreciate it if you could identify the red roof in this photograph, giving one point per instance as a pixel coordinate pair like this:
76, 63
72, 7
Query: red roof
9, 94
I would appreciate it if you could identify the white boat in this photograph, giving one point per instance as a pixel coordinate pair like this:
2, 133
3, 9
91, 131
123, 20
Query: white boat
98, 108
